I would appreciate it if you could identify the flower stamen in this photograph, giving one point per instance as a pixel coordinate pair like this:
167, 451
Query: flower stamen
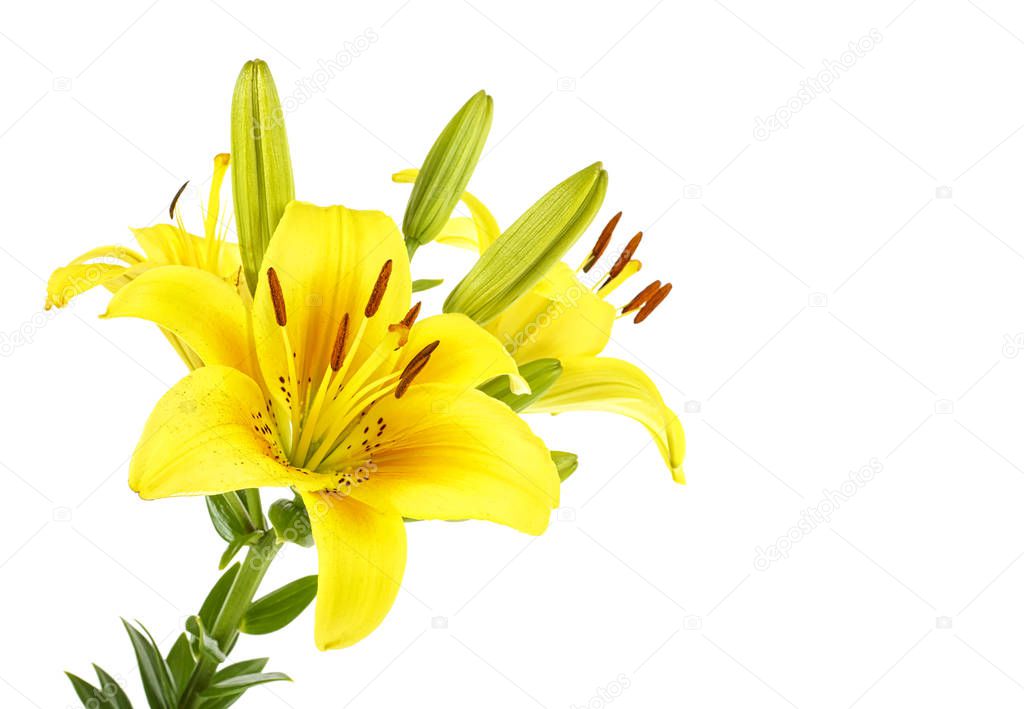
377, 295
640, 298
602, 243
653, 303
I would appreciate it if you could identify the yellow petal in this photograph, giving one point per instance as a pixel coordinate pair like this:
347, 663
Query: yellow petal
362, 559
327, 260
467, 355
168, 244
202, 309
69, 281
207, 435
479, 233
606, 384
560, 317
453, 453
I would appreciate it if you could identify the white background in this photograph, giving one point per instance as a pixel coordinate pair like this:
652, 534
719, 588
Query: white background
849, 289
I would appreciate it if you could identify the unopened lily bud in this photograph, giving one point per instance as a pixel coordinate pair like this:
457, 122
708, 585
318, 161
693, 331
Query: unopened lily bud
565, 463
529, 248
261, 177
446, 171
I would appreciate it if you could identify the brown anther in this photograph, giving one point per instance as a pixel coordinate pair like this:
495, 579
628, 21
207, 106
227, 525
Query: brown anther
377, 295
602, 243
277, 297
174, 201
420, 357
408, 375
625, 256
338, 353
653, 303
410, 317
641, 297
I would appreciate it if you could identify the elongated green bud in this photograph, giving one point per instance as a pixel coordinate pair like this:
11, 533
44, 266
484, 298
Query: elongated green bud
261, 174
529, 248
446, 171
540, 374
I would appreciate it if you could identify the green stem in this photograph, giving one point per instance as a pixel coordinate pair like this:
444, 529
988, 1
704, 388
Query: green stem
225, 627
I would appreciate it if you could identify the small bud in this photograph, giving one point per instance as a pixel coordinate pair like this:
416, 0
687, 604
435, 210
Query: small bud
262, 176
446, 171
529, 248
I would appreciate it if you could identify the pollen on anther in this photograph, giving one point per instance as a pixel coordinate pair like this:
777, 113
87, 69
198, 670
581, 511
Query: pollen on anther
625, 256
340, 340
641, 297
277, 298
602, 243
653, 303
377, 295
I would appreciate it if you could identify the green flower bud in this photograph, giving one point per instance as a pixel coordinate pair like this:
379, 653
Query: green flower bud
529, 248
261, 175
566, 463
446, 171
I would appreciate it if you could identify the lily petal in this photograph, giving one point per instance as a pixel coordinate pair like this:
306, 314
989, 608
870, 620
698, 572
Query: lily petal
202, 309
74, 279
467, 355
453, 453
168, 244
478, 234
362, 558
561, 317
606, 384
210, 433
328, 260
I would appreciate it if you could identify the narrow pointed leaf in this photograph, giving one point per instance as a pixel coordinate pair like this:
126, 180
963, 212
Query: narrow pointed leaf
422, 284
228, 515
85, 691
156, 676
243, 682
279, 608
235, 545
245, 667
529, 248
114, 696
215, 598
180, 661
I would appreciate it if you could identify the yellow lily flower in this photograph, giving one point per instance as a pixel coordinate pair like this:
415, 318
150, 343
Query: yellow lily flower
162, 245
566, 319
328, 385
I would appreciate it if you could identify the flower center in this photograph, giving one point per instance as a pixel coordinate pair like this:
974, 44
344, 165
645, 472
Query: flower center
325, 424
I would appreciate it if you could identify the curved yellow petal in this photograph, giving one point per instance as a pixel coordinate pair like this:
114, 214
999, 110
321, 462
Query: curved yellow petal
361, 553
451, 453
606, 384
560, 317
327, 260
479, 233
202, 309
69, 281
467, 355
210, 433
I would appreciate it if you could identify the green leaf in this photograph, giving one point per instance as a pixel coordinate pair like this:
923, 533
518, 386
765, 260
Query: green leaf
541, 374
566, 463
180, 661
202, 644
239, 668
245, 667
111, 691
279, 608
215, 598
235, 545
528, 249
422, 284
291, 521
446, 171
242, 683
261, 174
156, 676
228, 516
85, 691
251, 499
